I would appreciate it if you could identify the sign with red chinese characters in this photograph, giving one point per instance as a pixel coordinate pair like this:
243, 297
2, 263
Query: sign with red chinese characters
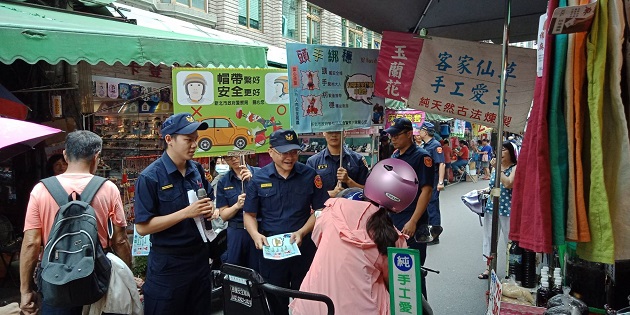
415, 116
397, 62
461, 79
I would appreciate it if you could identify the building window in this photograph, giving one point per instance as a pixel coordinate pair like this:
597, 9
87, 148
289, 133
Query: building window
351, 34
314, 16
373, 40
291, 19
250, 13
195, 4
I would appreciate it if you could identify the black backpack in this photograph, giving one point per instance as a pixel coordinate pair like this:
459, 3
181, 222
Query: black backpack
74, 270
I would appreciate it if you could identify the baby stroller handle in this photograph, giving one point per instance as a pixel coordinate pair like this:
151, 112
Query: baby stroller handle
300, 295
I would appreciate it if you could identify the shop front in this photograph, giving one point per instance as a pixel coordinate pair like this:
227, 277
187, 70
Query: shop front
77, 70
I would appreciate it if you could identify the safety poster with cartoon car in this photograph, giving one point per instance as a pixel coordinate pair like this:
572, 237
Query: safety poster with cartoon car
242, 107
331, 88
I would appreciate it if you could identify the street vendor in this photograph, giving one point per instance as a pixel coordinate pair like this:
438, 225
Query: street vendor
352, 175
282, 195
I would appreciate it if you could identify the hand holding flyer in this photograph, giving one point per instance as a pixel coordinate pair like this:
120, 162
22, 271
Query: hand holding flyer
280, 247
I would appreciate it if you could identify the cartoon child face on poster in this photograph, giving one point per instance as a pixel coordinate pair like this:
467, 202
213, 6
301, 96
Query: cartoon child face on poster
278, 83
195, 88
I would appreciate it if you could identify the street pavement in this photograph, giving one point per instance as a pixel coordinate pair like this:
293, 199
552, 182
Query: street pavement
456, 290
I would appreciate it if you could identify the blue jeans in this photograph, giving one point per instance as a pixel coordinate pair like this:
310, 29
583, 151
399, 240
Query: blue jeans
459, 163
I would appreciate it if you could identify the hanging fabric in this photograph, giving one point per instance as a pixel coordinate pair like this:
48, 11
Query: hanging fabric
530, 218
577, 220
558, 150
601, 246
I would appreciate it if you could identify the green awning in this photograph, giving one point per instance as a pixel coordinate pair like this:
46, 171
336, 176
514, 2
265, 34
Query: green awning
34, 33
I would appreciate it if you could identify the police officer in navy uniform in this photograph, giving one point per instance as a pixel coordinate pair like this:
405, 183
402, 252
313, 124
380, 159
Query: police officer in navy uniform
326, 163
282, 195
178, 272
414, 216
230, 200
435, 150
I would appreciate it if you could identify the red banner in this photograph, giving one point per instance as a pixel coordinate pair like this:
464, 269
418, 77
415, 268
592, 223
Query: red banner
397, 62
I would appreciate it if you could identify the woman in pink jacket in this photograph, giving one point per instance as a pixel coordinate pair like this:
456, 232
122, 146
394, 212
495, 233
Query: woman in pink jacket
352, 236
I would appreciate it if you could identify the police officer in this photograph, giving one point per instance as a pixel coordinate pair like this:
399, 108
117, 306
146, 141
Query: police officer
326, 163
282, 195
434, 148
414, 216
178, 273
230, 200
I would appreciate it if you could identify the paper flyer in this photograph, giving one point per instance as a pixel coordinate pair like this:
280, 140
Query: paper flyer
280, 247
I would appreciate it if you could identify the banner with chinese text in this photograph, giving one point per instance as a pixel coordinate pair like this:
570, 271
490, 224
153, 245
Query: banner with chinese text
397, 62
241, 106
461, 79
404, 281
415, 116
332, 88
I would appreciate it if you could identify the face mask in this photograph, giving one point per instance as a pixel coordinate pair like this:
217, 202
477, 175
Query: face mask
222, 168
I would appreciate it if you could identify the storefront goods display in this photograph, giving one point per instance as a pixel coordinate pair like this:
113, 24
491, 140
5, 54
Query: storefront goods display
132, 166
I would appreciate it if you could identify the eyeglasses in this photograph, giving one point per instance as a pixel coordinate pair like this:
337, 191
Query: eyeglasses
230, 157
288, 153
398, 134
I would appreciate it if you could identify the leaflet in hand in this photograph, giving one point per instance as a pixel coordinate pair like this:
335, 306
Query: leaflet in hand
280, 247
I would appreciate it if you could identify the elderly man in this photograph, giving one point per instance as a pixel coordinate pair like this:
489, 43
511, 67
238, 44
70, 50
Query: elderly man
82, 154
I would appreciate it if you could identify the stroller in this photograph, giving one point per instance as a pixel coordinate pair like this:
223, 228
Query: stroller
476, 202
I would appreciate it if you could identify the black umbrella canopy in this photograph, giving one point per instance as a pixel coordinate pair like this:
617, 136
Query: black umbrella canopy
473, 20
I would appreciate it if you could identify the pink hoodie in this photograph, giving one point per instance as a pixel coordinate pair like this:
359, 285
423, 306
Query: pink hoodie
347, 266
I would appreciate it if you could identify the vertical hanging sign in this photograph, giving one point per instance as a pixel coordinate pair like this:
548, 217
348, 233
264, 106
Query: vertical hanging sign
405, 293
397, 62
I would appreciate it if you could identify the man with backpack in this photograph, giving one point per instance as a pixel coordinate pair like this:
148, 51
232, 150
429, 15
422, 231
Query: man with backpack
48, 211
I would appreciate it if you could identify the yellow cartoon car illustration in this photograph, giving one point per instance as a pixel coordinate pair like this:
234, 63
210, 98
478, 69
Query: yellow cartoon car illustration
222, 131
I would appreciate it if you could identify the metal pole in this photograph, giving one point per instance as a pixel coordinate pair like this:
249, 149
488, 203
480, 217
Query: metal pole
498, 172
341, 153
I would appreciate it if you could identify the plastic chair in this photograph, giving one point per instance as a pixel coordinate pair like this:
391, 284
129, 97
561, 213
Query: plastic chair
245, 292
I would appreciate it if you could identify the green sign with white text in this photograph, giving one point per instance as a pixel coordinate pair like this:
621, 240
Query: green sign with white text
405, 290
241, 106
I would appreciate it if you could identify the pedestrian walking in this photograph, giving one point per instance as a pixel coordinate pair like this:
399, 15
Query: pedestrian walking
82, 153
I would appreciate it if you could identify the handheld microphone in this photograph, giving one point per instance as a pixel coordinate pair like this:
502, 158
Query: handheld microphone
201, 193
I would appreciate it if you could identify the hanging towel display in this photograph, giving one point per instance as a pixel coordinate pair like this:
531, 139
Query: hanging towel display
601, 246
530, 222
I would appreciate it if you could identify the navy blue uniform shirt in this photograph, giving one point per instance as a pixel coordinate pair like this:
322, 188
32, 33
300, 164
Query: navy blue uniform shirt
326, 166
422, 163
284, 205
161, 190
435, 150
229, 188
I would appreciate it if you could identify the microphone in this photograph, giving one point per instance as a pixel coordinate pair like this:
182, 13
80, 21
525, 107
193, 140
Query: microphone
201, 193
